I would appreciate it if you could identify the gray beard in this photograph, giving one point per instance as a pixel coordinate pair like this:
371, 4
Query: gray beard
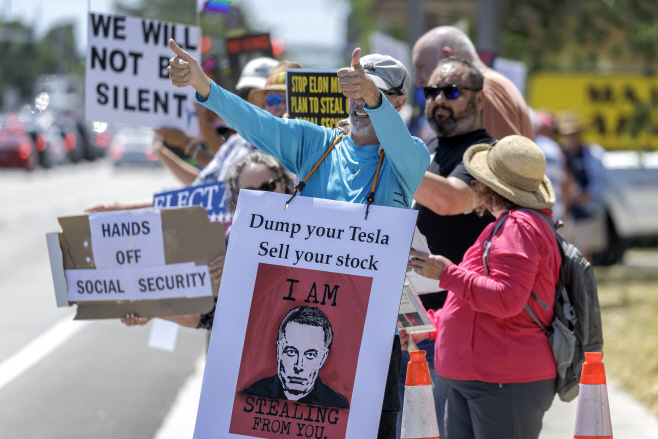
358, 131
449, 126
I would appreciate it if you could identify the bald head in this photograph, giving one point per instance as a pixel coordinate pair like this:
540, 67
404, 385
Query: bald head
437, 44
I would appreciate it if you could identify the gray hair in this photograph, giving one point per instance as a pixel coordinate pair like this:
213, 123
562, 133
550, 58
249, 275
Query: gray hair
256, 157
311, 316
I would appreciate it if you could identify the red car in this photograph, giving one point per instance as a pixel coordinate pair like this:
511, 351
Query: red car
16, 146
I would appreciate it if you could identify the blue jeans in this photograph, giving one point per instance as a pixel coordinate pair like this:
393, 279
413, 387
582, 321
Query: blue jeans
440, 387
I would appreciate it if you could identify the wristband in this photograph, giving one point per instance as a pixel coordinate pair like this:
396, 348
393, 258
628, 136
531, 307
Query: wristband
188, 147
196, 151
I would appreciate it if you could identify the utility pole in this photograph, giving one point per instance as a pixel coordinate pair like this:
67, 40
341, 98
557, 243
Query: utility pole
489, 25
415, 21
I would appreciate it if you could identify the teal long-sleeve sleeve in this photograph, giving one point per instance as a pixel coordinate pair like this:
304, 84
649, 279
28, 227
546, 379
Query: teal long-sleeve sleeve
348, 172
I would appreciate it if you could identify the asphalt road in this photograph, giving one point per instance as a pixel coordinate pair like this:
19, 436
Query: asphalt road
59, 378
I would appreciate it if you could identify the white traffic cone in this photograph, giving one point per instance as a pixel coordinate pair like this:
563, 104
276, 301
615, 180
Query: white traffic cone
593, 416
419, 416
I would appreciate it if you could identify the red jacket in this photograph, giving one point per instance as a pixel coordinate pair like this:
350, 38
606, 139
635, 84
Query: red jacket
484, 333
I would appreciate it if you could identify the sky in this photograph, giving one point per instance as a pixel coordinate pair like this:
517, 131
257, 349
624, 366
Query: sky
313, 22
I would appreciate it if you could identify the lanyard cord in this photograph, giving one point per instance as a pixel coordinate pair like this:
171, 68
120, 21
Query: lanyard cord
302, 183
371, 195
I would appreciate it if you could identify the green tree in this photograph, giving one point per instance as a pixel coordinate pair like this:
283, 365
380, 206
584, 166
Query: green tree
579, 34
176, 11
25, 59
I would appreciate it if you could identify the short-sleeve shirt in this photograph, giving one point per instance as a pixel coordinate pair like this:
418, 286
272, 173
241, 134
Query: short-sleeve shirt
451, 235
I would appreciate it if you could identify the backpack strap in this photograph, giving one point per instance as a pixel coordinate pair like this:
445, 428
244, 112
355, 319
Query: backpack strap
535, 318
487, 244
485, 259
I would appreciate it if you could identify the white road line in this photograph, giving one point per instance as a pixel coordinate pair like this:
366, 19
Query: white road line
39, 349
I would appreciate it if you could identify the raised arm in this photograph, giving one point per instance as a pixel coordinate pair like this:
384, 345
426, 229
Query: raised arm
290, 141
408, 155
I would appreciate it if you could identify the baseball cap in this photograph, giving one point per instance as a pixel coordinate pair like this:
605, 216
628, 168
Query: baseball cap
387, 73
255, 73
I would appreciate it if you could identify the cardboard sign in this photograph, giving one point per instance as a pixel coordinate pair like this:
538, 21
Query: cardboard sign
131, 238
150, 283
310, 297
180, 286
315, 95
127, 80
212, 196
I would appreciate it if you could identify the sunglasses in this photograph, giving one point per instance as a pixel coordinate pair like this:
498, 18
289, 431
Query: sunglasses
268, 186
273, 100
451, 92
390, 92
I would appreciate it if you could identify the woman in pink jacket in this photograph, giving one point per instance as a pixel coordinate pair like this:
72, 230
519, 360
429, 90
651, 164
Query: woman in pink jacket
496, 361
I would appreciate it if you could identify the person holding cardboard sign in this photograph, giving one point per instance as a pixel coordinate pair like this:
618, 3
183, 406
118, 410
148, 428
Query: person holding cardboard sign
255, 171
378, 162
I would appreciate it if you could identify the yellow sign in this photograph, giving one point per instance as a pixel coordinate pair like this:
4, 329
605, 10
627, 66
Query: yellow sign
621, 112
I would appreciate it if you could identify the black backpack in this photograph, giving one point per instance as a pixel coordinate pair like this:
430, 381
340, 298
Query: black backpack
576, 328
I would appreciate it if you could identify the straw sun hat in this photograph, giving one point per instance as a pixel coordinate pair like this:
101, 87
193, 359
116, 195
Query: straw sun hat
513, 167
275, 82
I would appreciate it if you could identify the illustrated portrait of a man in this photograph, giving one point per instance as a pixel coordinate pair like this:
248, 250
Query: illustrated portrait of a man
302, 346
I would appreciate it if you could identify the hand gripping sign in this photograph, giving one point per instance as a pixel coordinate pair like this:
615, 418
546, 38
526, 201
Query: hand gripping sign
149, 262
307, 314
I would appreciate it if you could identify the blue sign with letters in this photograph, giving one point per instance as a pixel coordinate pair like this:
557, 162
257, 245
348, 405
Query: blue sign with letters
213, 197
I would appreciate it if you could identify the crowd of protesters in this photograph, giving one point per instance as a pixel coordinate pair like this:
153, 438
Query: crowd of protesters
489, 157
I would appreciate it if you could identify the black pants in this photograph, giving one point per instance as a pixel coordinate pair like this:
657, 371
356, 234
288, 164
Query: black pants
502, 411
391, 405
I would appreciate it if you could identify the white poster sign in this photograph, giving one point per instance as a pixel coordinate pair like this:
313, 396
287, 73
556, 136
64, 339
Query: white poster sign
305, 319
127, 238
126, 73
148, 283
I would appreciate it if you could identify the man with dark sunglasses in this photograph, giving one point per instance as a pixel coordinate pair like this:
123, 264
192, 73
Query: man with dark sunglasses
505, 110
376, 86
445, 200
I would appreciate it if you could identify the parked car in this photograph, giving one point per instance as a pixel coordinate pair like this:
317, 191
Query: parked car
49, 144
16, 146
133, 145
66, 127
631, 203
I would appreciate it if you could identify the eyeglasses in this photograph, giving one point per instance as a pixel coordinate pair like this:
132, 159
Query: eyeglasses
268, 186
273, 100
451, 92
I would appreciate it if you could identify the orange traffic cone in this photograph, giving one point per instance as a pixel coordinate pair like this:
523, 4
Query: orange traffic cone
419, 416
593, 416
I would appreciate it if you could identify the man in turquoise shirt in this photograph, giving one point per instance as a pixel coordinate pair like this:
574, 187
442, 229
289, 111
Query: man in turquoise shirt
376, 87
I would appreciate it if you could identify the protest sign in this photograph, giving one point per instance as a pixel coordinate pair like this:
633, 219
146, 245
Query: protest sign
102, 262
412, 315
305, 319
212, 196
241, 50
127, 80
315, 95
